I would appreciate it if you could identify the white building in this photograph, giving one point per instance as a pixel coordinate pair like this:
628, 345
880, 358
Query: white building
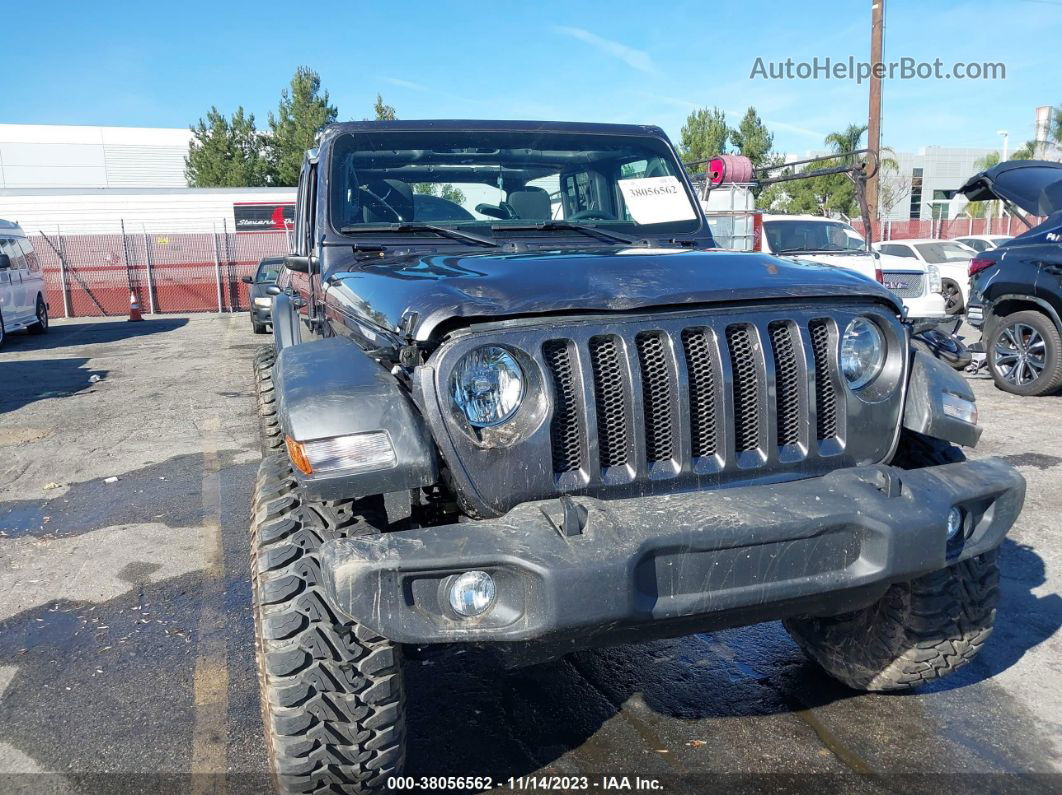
60, 156
151, 210
927, 178
87, 180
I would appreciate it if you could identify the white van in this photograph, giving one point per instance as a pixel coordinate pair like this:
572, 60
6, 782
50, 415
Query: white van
22, 302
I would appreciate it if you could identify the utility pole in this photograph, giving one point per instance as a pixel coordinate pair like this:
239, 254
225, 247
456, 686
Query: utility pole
877, 30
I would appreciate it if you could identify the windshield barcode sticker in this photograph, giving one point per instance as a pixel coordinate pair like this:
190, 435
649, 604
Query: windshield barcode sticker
656, 200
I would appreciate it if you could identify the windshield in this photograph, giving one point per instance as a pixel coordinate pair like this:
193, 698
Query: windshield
485, 181
269, 270
944, 252
806, 235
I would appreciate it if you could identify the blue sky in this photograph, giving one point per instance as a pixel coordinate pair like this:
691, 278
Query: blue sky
163, 64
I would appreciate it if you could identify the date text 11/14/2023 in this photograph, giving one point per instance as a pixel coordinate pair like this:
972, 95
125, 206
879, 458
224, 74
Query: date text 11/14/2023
525, 783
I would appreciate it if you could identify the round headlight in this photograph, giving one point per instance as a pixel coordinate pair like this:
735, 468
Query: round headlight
862, 352
487, 385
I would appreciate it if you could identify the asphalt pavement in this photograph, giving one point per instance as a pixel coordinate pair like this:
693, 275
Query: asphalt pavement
127, 458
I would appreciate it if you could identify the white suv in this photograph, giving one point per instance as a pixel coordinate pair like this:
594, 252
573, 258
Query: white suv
832, 242
22, 302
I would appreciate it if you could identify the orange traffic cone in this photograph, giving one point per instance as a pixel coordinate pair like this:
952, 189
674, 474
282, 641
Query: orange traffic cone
134, 308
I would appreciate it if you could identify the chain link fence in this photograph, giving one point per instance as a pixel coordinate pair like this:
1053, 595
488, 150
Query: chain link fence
92, 275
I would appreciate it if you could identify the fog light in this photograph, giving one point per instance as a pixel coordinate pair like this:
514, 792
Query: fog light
954, 522
472, 593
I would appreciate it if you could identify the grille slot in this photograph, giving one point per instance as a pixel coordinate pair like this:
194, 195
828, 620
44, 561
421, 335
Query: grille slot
657, 392
905, 285
610, 399
826, 396
704, 431
566, 432
747, 431
787, 384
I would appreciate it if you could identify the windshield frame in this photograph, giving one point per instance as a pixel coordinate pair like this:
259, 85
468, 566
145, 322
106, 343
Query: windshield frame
331, 234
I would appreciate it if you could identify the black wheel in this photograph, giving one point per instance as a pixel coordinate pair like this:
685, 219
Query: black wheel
41, 313
919, 630
953, 303
1025, 354
268, 421
331, 690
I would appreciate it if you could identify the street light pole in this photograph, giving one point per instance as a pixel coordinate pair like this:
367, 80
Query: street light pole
877, 29
1006, 139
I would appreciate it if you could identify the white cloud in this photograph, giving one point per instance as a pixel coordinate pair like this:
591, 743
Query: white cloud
636, 59
395, 81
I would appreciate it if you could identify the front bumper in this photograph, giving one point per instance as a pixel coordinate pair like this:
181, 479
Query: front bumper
586, 572
261, 314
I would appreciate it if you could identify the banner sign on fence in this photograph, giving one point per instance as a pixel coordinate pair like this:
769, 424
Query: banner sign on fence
263, 216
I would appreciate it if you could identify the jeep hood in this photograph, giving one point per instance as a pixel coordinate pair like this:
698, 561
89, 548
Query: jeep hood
443, 287
1033, 185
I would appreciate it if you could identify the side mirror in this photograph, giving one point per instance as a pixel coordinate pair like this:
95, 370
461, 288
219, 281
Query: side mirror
273, 290
247, 280
5, 262
298, 264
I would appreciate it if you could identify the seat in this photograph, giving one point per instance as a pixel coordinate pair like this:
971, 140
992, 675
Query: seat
531, 203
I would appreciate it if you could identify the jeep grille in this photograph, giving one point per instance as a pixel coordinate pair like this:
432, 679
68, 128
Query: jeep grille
628, 406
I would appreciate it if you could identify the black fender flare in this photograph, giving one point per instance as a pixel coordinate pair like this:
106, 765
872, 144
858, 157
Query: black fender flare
1049, 310
924, 413
328, 388
287, 327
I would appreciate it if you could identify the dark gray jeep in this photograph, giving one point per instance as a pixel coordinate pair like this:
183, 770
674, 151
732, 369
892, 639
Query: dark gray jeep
515, 401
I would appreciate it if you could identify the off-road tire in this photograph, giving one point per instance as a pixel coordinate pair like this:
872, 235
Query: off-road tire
331, 690
41, 313
1050, 378
269, 423
919, 630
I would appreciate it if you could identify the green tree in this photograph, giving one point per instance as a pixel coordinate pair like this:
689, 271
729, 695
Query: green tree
1027, 151
752, 139
301, 115
445, 190
384, 112
981, 209
847, 140
703, 135
224, 153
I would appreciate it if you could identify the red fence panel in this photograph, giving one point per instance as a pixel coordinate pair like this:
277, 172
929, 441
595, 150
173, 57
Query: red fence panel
94, 275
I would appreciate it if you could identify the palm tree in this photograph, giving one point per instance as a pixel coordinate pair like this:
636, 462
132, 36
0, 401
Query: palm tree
981, 209
848, 140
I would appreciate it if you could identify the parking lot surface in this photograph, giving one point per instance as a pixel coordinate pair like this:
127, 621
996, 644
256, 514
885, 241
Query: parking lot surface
127, 458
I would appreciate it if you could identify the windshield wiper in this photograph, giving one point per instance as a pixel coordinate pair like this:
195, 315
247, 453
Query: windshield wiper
406, 228
816, 251
564, 226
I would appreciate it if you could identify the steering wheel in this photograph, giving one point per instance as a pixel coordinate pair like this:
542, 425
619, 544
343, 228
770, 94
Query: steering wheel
591, 215
382, 203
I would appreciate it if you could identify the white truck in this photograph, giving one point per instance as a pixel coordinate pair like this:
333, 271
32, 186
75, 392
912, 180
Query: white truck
737, 224
833, 242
